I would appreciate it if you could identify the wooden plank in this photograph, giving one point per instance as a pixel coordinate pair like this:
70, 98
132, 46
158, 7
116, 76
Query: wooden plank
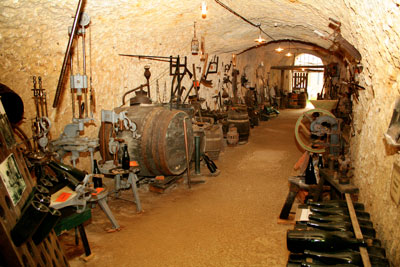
357, 230
291, 220
329, 176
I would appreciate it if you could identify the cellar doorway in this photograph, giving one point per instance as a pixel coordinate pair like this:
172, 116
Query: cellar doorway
309, 80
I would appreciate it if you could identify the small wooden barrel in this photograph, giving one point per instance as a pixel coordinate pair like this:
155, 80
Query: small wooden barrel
302, 100
213, 140
293, 101
232, 137
240, 119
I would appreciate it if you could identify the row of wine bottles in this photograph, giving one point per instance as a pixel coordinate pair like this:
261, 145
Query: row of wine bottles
37, 218
327, 238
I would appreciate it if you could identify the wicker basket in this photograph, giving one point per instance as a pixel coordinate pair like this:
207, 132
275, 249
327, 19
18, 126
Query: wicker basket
325, 104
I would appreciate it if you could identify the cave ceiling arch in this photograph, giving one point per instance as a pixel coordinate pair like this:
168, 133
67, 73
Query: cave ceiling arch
296, 20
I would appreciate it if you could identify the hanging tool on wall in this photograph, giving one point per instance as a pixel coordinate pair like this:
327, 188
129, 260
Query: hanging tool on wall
178, 74
177, 68
41, 124
92, 92
67, 54
340, 45
212, 68
195, 85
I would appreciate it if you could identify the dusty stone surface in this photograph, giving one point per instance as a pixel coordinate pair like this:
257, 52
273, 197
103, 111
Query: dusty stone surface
372, 158
33, 38
231, 220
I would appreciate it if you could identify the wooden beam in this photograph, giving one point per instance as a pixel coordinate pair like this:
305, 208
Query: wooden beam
298, 67
357, 230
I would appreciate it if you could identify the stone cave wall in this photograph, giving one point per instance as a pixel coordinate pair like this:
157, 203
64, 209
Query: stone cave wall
378, 41
375, 31
34, 36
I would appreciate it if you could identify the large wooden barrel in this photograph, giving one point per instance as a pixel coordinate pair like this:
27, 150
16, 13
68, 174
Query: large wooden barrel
213, 140
240, 119
302, 100
160, 147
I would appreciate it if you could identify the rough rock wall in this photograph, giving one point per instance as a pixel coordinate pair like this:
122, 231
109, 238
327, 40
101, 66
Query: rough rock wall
375, 31
33, 37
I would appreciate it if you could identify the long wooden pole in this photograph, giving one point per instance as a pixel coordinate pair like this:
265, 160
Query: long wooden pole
66, 56
187, 153
357, 230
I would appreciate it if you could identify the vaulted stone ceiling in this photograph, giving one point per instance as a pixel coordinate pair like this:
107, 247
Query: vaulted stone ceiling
171, 22
33, 38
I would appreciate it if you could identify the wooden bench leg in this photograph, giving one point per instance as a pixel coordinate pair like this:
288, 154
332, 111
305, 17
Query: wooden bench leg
293, 190
85, 241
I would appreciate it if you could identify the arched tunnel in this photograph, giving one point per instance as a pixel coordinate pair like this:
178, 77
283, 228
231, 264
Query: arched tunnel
356, 41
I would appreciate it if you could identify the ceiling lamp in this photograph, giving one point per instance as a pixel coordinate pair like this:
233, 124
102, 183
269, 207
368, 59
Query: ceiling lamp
260, 40
288, 54
279, 49
204, 9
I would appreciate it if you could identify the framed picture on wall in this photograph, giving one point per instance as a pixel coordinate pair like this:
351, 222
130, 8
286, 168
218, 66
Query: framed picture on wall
12, 179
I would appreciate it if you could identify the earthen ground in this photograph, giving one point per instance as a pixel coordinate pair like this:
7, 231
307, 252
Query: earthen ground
230, 220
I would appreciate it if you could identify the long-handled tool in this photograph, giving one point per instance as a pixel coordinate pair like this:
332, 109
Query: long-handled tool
187, 153
67, 54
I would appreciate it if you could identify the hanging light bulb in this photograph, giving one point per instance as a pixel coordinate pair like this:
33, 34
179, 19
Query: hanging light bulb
259, 40
204, 9
288, 54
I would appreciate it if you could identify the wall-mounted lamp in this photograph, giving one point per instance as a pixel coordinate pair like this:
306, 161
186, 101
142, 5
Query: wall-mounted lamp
204, 9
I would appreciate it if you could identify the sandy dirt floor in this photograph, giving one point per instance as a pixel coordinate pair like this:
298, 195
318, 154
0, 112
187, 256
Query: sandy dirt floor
230, 220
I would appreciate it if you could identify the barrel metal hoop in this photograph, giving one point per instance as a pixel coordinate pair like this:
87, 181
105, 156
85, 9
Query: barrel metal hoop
146, 135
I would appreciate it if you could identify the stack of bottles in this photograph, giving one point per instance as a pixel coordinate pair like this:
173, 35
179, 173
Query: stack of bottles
37, 217
327, 237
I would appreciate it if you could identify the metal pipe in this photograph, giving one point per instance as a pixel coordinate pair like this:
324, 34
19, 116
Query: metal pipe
73, 103
130, 91
41, 97
35, 97
67, 52
187, 153
45, 103
197, 154
144, 56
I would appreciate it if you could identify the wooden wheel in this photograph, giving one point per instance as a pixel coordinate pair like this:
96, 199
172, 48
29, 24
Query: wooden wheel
303, 131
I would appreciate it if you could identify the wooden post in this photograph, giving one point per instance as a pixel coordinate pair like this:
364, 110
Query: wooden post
357, 230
